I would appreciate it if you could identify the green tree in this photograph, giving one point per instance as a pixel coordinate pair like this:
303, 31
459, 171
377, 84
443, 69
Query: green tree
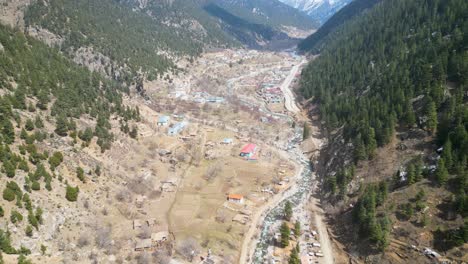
10, 170
8, 194
431, 112
29, 125
306, 132
29, 231
23, 260
297, 229
447, 154
294, 257
8, 132
43, 249
80, 174
288, 211
411, 174
285, 233
441, 172
61, 126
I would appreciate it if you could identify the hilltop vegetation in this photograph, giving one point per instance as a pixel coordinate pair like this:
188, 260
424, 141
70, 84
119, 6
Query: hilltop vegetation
145, 38
130, 38
314, 41
43, 97
400, 66
267, 12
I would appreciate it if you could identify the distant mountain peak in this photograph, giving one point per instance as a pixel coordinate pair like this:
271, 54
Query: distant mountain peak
319, 10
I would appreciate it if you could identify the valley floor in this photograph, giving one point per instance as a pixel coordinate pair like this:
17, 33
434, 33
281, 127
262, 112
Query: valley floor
165, 195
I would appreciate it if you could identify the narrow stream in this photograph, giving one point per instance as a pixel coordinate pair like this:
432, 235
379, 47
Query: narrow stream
296, 196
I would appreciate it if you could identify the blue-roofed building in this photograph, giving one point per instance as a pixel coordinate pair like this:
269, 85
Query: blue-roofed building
227, 141
215, 100
163, 120
177, 128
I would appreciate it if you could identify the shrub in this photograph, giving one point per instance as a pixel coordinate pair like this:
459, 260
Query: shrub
55, 160
80, 174
36, 186
29, 125
72, 193
16, 217
29, 231
8, 194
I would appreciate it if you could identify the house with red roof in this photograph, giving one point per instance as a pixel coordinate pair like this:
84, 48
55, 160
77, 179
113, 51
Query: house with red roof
248, 151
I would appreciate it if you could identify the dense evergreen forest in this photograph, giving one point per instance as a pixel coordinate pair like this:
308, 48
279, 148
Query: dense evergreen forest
401, 64
356, 7
244, 30
270, 13
102, 25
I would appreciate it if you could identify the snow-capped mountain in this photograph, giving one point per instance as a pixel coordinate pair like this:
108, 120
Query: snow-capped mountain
319, 10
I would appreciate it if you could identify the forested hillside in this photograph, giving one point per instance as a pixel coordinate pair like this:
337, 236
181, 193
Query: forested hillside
133, 39
247, 32
43, 97
268, 12
146, 36
399, 69
356, 7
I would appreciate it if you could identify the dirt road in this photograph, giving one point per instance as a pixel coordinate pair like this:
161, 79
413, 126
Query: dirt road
289, 99
325, 242
249, 243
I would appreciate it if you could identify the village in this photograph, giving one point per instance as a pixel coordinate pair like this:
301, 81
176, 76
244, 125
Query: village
211, 157
236, 166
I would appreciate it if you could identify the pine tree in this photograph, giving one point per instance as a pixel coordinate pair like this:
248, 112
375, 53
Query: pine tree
294, 257
441, 172
288, 211
410, 117
297, 229
285, 232
306, 133
61, 126
411, 174
29, 125
447, 154
431, 113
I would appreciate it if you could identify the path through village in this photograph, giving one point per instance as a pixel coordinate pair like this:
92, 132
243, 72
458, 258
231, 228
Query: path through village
253, 235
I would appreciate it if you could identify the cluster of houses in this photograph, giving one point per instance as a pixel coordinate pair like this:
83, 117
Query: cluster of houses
204, 97
270, 94
174, 129
157, 239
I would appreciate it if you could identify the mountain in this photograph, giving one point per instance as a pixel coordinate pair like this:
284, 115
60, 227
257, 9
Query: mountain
165, 30
390, 87
268, 12
312, 43
319, 10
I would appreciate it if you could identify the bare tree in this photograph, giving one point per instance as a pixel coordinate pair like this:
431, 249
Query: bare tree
213, 171
188, 248
83, 241
144, 258
161, 257
103, 237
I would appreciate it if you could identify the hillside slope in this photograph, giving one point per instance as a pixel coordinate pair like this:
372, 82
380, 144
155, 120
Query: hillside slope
314, 43
51, 110
392, 91
268, 12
